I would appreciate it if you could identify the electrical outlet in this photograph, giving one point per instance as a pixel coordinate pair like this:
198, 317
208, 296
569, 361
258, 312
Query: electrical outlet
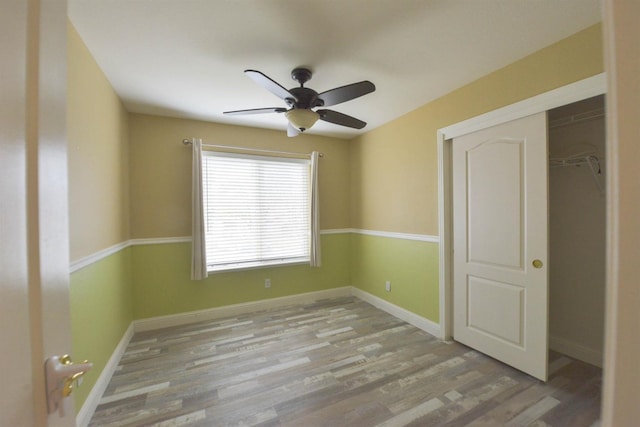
387, 286
267, 283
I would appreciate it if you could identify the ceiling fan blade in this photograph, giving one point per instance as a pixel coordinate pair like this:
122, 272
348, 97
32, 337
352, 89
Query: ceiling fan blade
256, 111
346, 93
292, 131
340, 119
270, 85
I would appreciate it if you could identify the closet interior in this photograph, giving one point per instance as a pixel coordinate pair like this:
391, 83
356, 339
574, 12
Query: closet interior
577, 229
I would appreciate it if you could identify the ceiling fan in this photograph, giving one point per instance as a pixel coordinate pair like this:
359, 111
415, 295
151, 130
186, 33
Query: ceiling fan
303, 102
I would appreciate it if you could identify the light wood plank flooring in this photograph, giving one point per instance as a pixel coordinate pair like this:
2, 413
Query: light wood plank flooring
338, 362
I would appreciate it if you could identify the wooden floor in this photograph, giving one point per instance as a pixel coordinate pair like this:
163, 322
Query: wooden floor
338, 362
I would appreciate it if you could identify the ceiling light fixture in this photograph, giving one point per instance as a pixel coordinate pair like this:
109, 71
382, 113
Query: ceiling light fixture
301, 118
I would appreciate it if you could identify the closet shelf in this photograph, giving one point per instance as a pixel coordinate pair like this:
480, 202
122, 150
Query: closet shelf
577, 118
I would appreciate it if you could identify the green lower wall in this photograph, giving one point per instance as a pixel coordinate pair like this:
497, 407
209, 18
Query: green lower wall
410, 265
145, 281
101, 311
162, 284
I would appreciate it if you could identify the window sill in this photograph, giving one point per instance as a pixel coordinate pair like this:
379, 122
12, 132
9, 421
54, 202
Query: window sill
256, 265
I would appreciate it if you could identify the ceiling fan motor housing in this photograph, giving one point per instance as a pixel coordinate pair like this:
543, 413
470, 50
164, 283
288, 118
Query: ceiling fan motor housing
307, 98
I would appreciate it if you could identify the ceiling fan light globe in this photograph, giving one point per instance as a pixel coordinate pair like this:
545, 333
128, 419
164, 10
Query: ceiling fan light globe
302, 119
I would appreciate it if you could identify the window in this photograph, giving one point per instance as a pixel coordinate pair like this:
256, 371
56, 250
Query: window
257, 210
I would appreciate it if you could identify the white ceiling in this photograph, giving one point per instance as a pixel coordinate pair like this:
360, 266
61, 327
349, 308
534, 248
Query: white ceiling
185, 58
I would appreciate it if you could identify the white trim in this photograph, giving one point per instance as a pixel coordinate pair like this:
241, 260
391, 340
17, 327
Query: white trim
445, 218
97, 256
159, 240
235, 309
583, 89
399, 312
394, 235
159, 322
93, 399
390, 234
100, 255
337, 231
575, 350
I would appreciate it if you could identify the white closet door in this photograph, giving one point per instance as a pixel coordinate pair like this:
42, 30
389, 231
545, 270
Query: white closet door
500, 290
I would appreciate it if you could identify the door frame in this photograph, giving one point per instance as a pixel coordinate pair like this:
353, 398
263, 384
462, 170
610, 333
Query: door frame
582, 89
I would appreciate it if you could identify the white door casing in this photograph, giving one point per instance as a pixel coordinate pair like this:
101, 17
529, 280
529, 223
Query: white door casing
500, 226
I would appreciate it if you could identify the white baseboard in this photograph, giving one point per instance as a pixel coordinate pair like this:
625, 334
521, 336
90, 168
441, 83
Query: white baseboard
575, 350
91, 403
399, 312
232, 310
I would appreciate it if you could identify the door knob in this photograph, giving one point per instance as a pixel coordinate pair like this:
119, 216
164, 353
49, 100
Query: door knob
61, 372
537, 263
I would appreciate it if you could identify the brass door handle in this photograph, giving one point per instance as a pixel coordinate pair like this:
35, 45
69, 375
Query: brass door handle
537, 263
61, 373
67, 387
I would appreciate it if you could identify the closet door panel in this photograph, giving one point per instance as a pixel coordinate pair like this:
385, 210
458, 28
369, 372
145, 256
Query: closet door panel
500, 287
494, 175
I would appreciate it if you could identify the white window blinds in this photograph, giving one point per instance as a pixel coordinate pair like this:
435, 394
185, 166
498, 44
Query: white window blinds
256, 209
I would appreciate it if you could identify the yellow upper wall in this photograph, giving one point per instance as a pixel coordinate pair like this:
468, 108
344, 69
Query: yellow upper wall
384, 180
161, 170
394, 168
97, 154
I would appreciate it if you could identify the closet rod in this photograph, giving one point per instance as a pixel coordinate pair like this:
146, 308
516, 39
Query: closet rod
255, 150
574, 161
